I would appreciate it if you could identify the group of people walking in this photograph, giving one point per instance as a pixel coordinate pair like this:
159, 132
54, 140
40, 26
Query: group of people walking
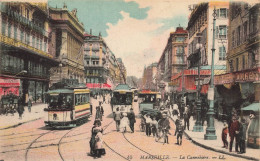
124, 122
237, 131
159, 126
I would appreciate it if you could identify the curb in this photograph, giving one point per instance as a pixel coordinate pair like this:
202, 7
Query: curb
13, 126
220, 151
216, 150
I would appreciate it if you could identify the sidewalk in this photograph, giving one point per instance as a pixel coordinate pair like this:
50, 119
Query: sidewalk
216, 145
10, 121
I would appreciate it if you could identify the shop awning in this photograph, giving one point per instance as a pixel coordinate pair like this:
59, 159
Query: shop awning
106, 86
252, 107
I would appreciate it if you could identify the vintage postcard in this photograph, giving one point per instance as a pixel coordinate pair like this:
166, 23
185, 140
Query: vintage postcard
136, 80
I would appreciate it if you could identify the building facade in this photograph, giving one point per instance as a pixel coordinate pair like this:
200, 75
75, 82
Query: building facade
200, 40
66, 43
25, 59
149, 77
242, 77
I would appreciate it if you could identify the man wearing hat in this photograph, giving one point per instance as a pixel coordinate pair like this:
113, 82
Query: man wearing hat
242, 136
148, 121
131, 117
234, 133
179, 132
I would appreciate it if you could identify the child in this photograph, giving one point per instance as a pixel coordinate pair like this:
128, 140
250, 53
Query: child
224, 135
179, 132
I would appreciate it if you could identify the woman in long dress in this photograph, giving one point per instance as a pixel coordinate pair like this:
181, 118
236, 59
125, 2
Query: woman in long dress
99, 150
124, 123
95, 130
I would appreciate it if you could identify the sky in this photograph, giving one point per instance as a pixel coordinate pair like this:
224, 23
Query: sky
135, 30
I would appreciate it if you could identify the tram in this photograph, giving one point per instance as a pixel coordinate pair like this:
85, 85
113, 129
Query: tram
122, 98
135, 93
148, 102
68, 104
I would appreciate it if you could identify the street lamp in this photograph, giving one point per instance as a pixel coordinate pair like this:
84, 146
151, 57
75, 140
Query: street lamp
210, 131
198, 126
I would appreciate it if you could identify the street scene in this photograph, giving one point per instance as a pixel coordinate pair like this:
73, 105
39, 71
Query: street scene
129, 80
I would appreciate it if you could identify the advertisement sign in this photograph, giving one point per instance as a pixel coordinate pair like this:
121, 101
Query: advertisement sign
211, 94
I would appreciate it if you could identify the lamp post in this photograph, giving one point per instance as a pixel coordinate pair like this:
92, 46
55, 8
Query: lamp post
210, 131
198, 126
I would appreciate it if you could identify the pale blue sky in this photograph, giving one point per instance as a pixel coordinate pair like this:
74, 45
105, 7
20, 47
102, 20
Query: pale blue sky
95, 14
135, 30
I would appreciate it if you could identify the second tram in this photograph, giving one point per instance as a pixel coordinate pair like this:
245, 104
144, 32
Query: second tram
122, 98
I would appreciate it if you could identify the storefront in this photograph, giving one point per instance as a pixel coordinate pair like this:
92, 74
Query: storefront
9, 86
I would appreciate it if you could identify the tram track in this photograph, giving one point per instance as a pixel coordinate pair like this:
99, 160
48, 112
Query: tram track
28, 148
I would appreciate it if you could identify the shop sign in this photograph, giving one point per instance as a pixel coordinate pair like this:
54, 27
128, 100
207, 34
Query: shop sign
249, 76
9, 82
223, 79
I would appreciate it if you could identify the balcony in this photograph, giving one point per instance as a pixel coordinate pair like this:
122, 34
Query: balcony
93, 75
22, 20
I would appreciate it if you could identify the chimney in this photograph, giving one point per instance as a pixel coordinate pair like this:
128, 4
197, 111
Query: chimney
90, 32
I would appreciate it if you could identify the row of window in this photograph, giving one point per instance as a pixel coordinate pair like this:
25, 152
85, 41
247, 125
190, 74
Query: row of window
93, 80
198, 23
17, 33
81, 99
94, 71
36, 68
94, 62
239, 35
9, 62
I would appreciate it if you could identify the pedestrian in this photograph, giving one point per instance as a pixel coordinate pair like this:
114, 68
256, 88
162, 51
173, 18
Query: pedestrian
99, 150
234, 133
224, 135
20, 108
164, 127
242, 135
154, 124
91, 108
132, 120
124, 123
94, 144
117, 118
104, 98
179, 131
99, 113
102, 109
186, 120
29, 105
203, 114
148, 121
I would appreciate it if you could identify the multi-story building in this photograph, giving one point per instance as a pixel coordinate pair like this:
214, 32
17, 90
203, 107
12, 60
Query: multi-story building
96, 61
242, 77
200, 29
25, 60
149, 77
66, 35
113, 67
120, 72
240, 87
173, 59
